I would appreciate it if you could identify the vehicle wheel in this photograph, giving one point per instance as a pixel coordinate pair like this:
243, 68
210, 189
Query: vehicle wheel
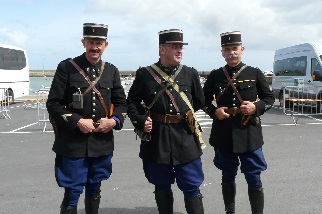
318, 104
11, 97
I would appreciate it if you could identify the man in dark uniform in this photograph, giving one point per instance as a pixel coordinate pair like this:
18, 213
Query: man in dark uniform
86, 102
173, 153
242, 95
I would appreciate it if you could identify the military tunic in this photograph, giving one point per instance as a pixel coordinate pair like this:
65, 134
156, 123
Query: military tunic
170, 143
69, 140
229, 134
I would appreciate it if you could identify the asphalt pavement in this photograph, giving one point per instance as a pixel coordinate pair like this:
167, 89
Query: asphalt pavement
292, 182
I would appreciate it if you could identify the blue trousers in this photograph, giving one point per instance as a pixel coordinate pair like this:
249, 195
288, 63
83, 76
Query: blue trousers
251, 164
189, 176
76, 173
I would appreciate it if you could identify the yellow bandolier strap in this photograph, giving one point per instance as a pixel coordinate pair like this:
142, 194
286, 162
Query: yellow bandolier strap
198, 129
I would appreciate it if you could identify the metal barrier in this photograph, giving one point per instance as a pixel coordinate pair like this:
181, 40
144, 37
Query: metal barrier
40, 104
41, 108
302, 101
4, 103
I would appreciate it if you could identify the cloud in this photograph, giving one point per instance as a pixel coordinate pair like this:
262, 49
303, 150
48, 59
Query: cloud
10, 36
53, 33
265, 25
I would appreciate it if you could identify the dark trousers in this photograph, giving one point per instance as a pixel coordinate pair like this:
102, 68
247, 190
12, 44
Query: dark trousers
251, 164
189, 176
76, 173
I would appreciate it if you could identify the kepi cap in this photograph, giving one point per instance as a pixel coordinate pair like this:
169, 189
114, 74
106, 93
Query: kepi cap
93, 30
172, 36
231, 38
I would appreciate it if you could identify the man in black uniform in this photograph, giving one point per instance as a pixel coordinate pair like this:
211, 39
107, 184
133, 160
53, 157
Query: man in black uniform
86, 102
242, 95
173, 152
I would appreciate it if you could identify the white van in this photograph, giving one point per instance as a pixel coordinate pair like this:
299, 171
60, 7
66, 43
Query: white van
297, 64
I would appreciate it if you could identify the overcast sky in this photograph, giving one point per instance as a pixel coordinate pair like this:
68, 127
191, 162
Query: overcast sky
51, 30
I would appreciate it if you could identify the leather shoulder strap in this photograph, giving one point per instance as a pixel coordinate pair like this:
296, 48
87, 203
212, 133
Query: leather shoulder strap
91, 84
231, 81
164, 88
175, 86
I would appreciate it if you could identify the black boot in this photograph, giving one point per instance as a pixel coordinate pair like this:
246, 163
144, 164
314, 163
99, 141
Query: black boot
256, 199
64, 207
229, 193
194, 205
92, 204
164, 201
68, 210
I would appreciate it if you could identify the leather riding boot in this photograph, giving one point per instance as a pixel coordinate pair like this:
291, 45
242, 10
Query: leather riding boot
256, 199
68, 210
229, 193
64, 207
164, 201
194, 205
92, 204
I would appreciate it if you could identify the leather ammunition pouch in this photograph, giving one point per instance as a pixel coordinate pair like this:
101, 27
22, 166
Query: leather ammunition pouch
190, 121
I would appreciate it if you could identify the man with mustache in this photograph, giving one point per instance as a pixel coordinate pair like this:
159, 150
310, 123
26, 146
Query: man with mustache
173, 152
242, 95
85, 103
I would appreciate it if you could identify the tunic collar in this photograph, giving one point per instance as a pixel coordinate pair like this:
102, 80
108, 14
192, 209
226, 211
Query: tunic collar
86, 65
168, 70
234, 68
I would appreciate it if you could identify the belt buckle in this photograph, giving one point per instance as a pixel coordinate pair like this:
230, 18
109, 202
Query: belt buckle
165, 118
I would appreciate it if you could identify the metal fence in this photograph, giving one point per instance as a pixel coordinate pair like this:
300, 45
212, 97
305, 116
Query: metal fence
4, 103
302, 101
40, 105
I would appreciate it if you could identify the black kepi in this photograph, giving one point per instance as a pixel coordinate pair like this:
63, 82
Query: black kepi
93, 30
172, 36
231, 38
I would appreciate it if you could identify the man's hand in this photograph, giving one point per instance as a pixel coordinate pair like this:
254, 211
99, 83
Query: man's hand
248, 108
105, 125
221, 114
85, 125
148, 125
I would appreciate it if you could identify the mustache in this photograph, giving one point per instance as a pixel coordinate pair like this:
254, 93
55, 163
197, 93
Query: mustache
95, 51
232, 56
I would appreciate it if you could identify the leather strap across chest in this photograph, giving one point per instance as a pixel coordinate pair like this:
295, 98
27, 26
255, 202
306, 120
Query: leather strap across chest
230, 81
245, 118
164, 88
174, 85
92, 84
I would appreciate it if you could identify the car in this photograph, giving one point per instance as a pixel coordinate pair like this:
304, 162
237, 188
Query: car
268, 73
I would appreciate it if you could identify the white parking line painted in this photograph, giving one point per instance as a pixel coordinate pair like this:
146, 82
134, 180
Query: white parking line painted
24, 127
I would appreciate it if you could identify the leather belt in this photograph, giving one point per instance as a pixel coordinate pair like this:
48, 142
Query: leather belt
233, 111
167, 118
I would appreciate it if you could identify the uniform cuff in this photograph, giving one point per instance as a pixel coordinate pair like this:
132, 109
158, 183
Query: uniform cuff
117, 120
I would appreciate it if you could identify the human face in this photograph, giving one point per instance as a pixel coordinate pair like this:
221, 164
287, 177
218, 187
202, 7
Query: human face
171, 54
232, 54
94, 48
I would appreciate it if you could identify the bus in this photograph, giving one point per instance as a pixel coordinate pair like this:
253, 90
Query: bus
14, 72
